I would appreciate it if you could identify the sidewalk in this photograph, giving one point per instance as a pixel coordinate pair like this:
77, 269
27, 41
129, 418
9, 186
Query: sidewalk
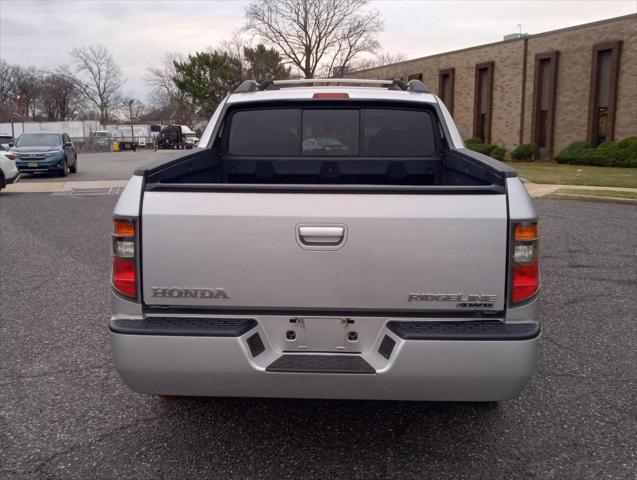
541, 189
583, 192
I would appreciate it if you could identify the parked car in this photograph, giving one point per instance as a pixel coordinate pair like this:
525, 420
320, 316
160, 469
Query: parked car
327, 242
177, 136
6, 141
9, 172
45, 152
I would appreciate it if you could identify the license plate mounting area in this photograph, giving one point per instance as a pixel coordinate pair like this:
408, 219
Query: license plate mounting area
322, 334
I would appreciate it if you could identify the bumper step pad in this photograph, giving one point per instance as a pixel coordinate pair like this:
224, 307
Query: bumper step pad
466, 330
184, 327
305, 363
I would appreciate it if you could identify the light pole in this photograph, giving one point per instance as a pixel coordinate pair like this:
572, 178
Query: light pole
17, 97
11, 117
130, 117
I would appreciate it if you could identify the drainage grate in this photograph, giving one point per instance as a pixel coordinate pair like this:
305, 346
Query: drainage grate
90, 191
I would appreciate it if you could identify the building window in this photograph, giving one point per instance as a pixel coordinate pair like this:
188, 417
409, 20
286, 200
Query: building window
544, 90
415, 76
603, 94
483, 102
446, 80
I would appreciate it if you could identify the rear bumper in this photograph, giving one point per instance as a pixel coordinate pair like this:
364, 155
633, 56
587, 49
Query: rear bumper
45, 165
14, 179
187, 361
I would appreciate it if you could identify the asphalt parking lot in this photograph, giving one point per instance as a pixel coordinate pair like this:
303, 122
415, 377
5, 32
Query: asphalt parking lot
105, 166
64, 412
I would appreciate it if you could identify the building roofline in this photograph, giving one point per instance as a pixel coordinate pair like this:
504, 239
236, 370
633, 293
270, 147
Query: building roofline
500, 42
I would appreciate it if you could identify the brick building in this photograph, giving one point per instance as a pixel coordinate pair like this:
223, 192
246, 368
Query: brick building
553, 88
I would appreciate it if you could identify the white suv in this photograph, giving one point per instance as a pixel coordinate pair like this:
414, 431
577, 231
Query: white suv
8, 171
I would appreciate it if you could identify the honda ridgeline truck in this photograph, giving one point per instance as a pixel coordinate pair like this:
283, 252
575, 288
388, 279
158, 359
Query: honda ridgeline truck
328, 239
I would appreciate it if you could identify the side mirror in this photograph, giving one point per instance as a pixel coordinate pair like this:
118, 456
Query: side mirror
68, 144
11, 145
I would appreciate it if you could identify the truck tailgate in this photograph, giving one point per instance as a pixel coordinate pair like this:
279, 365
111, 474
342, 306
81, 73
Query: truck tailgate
317, 251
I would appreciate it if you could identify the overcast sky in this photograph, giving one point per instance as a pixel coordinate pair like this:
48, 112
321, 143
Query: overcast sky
139, 33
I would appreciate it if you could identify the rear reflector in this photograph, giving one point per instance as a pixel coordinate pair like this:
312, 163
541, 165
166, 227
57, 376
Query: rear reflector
124, 277
526, 281
331, 96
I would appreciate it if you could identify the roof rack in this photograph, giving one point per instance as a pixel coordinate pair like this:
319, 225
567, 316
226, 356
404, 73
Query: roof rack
253, 86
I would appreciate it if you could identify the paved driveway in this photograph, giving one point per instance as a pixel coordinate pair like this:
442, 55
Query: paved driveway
106, 166
65, 414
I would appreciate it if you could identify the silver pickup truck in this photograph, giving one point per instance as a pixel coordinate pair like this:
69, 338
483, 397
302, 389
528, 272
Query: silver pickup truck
328, 239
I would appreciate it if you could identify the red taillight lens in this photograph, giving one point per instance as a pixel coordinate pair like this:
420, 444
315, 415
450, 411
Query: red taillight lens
10, 156
526, 281
124, 275
525, 262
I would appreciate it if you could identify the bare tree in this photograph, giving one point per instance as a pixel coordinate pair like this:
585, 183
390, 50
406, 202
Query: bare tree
97, 77
30, 93
162, 78
235, 45
59, 99
20, 89
26, 87
6, 87
314, 33
167, 98
381, 59
7, 92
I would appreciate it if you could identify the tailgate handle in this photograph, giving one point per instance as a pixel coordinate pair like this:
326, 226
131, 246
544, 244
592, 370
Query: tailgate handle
321, 235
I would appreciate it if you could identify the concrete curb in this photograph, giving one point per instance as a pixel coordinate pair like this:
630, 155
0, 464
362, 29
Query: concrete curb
569, 196
59, 187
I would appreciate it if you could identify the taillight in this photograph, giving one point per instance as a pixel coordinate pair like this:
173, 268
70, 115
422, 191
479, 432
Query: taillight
331, 96
10, 156
124, 274
525, 262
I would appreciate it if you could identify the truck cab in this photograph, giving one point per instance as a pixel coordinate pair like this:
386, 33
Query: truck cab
177, 137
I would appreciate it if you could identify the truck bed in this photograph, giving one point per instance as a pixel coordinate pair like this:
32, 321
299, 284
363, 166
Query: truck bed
450, 171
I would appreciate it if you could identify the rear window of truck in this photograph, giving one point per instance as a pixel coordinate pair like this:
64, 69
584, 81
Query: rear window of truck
369, 132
